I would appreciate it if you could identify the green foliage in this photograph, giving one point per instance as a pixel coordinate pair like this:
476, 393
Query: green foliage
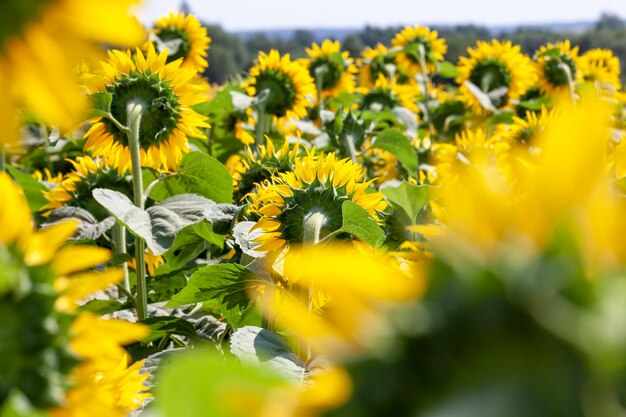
393, 141
198, 174
359, 223
229, 285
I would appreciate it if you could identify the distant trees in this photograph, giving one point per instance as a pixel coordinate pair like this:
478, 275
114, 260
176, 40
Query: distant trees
231, 54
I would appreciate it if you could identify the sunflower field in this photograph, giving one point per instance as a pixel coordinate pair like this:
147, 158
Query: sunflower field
391, 234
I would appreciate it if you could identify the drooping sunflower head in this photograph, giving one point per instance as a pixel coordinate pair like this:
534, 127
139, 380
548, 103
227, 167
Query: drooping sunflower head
184, 38
499, 69
165, 92
289, 86
388, 93
417, 45
335, 68
600, 65
525, 130
40, 41
76, 186
557, 66
260, 166
317, 187
375, 62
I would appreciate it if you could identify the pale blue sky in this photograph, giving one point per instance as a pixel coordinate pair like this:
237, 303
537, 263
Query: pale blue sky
273, 14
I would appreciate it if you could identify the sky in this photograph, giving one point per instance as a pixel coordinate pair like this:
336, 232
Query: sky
282, 14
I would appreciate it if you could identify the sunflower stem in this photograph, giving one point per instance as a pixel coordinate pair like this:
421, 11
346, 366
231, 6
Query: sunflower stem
3, 159
135, 110
312, 231
319, 83
119, 248
260, 126
571, 85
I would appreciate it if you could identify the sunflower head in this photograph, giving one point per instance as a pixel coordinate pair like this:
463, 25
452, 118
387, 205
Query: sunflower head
75, 187
388, 93
316, 187
498, 69
336, 67
375, 62
418, 44
166, 93
260, 166
525, 130
557, 65
600, 65
288, 84
184, 38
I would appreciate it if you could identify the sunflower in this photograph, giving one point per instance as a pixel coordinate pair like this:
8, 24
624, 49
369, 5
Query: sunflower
166, 93
75, 187
316, 187
388, 93
40, 41
525, 130
184, 38
254, 168
600, 65
288, 83
411, 41
498, 69
375, 62
41, 282
337, 67
470, 148
557, 64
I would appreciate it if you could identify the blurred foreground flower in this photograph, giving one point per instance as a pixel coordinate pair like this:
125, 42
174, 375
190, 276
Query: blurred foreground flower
40, 41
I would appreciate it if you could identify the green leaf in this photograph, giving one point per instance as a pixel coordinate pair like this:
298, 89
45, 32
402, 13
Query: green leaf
359, 223
161, 327
228, 284
205, 383
198, 174
410, 198
190, 242
33, 190
88, 226
448, 70
391, 140
256, 345
17, 405
101, 104
159, 224
504, 117
101, 307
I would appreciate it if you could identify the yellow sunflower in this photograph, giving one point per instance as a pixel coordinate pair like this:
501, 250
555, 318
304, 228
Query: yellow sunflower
387, 93
375, 62
498, 69
41, 282
184, 37
557, 64
262, 165
337, 68
600, 65
40, 41
166, 94
411, 41
316, 187
470, 148
525, 130
289, 85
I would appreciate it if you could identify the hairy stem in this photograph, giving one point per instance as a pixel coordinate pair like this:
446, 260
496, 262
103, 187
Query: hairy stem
134, 123
119, 247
